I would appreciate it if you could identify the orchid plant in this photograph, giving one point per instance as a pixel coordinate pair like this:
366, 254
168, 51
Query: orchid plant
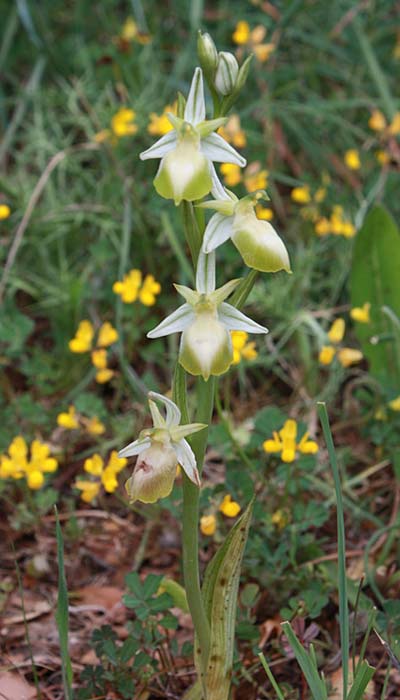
187, 175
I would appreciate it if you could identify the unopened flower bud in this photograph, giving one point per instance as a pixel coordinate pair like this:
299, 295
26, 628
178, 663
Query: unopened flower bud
227, 73
208, 55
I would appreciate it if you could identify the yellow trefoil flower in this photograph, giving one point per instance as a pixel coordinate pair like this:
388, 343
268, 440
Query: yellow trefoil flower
377, 121
68, 420
241, 348
394, 126
159, 123
241, 34
285, 442
301, 195
17, 464
253, 39
352, 159
105, 475
232, 132
122, 123
280, 518
336, 224
83, 342
346, 356
254, 177
94, 426
231, 173
229, 508
5, 211
208, 524
361, 313
395, 404
264, 213
130, 32
130, 288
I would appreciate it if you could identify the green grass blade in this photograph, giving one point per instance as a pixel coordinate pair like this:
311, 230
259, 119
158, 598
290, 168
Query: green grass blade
342, 580
377, 74
361, 680
270, 676
62, 614
315, 682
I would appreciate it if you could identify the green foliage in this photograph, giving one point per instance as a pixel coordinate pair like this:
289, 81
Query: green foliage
375, 279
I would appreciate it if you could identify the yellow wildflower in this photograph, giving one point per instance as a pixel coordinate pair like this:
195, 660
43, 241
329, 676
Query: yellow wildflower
106, 475
102, 136
361, 313
208, 524
82, 342
263, 51
394, 126
337, 330
395, 404
326, 354
128, 288
160, 124
241, 348
122, 123
352, 159
99, 358
264, 213
17, 463
377, 121
254, 178
322, 226
382, 157
5, 211
229, 508
107, 335
104, 375
130, 32
89, 489
241, 34
348, 229
285, 442
94, 426
150, 288
231, 173
349, 356
301, 195
233, 133
68, 420
280, 518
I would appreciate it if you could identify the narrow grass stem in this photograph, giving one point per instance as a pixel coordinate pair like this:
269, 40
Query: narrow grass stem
342, 583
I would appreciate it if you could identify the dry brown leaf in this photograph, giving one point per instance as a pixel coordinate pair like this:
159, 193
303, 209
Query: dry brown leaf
13, 686
336, 680
106, 597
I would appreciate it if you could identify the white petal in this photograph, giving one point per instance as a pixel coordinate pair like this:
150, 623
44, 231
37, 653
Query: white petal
173, 414
161, 147
234, 320
174, 323
187, 460
195, 110
218, 230
217, 149
205, 273
218, 190
135, 448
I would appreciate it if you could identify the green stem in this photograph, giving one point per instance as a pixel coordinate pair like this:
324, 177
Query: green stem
190, 515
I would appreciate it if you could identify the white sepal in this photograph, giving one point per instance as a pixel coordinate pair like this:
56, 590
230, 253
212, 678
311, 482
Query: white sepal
205, 273
135, 447
161, 147
187, 460
174, 323
173, 414
218, 230
179, 432
188, 294
217, 149
235, 320
195, 110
